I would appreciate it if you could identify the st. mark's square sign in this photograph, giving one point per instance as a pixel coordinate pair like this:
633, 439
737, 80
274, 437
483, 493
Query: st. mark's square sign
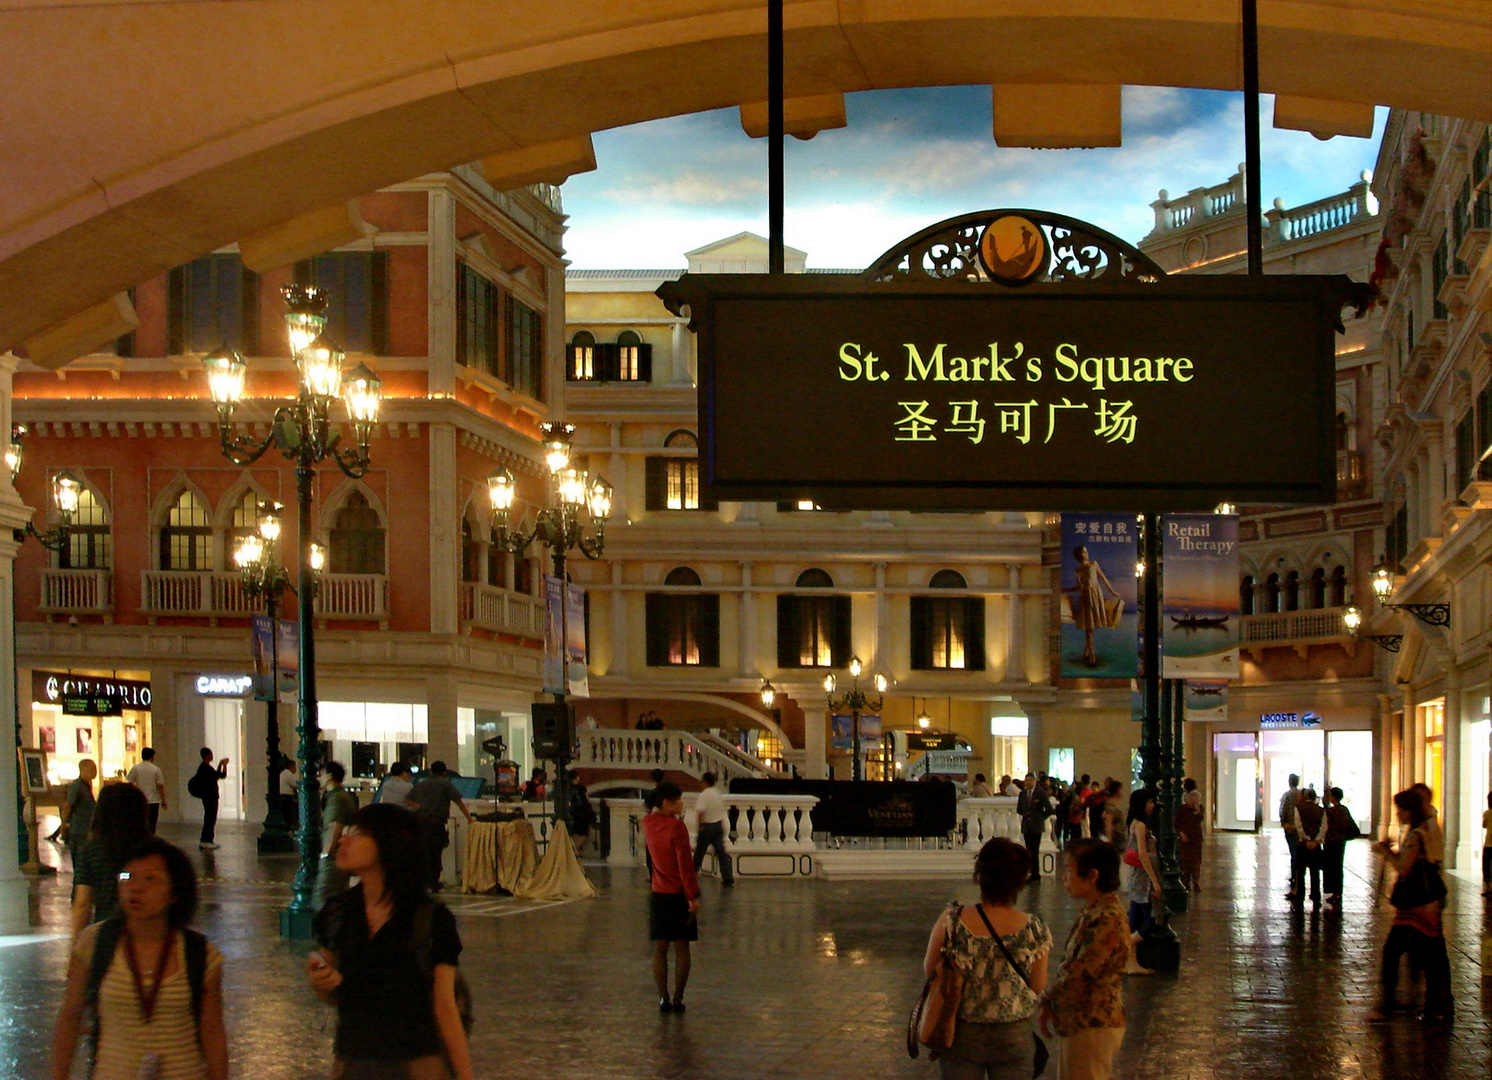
1012, 359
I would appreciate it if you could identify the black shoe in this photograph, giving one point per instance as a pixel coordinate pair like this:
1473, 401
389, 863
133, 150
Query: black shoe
678, 1004
731, 884
664, 1005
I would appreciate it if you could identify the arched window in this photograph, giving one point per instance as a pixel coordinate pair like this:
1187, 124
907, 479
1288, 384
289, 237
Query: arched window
1246, 595
245, 523
814, 578
682, 575
683, 629
1272, 593
813, 630
582, 358
1292, 591
357, 538
628, 356
497, 561
673, 482
680, 439
471, 553
947, 632
88, 541
947, 579
1316, 592
1338, 587
186, 537
1344, 432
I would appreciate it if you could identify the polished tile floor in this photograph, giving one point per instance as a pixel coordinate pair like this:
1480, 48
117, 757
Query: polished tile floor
813, 980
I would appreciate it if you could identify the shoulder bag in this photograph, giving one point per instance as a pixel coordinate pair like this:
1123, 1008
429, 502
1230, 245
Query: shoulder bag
936, 1013
1420, 885
1042, 1053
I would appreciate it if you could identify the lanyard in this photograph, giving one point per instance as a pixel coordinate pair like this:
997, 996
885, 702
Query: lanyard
147, 1000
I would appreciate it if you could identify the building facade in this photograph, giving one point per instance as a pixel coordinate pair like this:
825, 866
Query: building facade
429, 637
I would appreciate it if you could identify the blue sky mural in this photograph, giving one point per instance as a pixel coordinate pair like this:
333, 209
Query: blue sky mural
912, 157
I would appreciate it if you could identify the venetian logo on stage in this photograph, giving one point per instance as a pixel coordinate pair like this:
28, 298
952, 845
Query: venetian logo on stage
1013, 249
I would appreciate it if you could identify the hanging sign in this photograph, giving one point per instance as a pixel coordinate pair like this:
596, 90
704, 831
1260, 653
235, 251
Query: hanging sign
564, 625
1199, 606
1206, 699
1120, 393
276, 659
842, 725
1098, 638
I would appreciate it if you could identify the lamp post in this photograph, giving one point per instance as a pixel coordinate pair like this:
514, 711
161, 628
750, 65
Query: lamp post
303, 433
258, 560
65, 491
559, 525
856, 701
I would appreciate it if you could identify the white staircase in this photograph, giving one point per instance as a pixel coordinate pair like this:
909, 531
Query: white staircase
681, 751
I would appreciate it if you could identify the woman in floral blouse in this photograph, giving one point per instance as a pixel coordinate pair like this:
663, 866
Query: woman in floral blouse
1085, 1003
992, 1039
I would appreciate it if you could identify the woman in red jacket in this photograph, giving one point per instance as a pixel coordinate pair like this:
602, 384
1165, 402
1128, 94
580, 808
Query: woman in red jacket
674, 903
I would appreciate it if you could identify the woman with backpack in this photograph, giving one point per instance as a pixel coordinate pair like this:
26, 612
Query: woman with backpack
388, 959
121, 823
1002, 953
155, 987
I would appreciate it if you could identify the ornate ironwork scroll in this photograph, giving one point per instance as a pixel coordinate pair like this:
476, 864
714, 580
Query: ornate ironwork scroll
1013, 248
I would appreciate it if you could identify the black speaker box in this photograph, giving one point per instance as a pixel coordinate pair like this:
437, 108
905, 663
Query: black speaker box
554, 730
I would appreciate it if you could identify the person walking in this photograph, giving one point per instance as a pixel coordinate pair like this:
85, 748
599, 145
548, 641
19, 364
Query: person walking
147, 776
1287, 823
204, 786
1002, 953
1487, 847
431, 799
1113, 814
78, 805
1189, 839
156, 985
1340, 827
396, 785
709, 809
337, 808
582, 814
1033, 807
388, 959
1084, 1004
121, 823
1310, 837
1417, 927
673, 900
1144, 889
290, 794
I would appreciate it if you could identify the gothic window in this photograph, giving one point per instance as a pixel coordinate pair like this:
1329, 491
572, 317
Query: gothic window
186, 536
1317, 593
357, 540
89, 545
245, 522
1292, 591
1272, 594
497, 561
471, 553
1337, 593
1246, 595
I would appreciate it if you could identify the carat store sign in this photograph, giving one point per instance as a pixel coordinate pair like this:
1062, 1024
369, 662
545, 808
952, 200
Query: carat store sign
1169, 394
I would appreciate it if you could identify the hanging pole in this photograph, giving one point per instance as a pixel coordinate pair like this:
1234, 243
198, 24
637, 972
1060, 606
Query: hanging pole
1252, 198
775, 259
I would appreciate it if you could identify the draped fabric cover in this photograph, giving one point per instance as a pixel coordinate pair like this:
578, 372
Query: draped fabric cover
505, 855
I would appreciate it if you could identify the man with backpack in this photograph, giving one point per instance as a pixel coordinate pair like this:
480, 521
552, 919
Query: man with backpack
1340, 828
204, 785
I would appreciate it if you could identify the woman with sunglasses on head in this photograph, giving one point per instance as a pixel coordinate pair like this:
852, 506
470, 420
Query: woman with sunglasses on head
388, 958
155, 985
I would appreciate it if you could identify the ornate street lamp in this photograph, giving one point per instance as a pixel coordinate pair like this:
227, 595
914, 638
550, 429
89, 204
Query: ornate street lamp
1383, 588
1352, 620
258, 559
575, 500
67, 489
856, 701
769, 693
303, 433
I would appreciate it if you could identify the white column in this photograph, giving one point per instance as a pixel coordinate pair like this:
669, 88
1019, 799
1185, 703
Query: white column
440, 706
1452, 795
746, 625
617, 476
440, 255
815, 753
882, 660
1015, 631
445, 530
619, 643
15, 915
681, 365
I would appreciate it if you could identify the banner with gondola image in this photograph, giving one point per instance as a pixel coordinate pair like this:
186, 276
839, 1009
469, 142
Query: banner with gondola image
1206, 699
1199, 607
1098, 638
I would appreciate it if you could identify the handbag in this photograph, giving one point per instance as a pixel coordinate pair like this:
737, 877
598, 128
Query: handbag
1132, 857
1042, 1053
1420, 886
1113, 611
934, 1016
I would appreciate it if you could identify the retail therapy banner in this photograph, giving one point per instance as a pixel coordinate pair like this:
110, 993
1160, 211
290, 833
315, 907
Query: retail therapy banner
1199, 611
564, 621
1100, 607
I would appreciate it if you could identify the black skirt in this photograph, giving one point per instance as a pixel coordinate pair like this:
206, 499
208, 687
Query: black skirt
669, 918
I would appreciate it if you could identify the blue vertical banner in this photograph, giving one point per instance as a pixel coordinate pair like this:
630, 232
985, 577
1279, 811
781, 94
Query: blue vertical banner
580, 683
564, 638
1199, 606
1100, 611
276, 659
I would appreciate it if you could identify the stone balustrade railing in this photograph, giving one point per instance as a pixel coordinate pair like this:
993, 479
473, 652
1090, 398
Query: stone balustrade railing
981, 820
1192, 209
1317, 624
622, 748
76, 592
221, 593
767, 834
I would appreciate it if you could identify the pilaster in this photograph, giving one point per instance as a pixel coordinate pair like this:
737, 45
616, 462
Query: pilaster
440, 714
15, 890
440, 255
746, 625
445, 530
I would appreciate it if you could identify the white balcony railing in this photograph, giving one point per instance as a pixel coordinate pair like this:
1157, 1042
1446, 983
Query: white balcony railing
622, 749
497, 609
77, 592
221, 594
1290, 627
767, 834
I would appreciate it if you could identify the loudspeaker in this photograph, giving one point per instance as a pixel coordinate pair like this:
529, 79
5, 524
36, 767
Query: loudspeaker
554, 730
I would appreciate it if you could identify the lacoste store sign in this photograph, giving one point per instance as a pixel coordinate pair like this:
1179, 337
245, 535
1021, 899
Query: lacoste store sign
1169, 394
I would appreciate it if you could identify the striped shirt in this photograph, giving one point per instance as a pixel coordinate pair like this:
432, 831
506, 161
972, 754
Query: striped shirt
124, 1035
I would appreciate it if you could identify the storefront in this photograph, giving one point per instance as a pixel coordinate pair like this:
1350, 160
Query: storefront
1252, 768
103, 717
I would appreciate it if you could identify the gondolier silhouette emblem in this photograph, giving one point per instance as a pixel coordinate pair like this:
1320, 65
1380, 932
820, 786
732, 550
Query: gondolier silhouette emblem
1013, 249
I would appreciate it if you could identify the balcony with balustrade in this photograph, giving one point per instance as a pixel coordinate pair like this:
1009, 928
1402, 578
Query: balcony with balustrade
76, 592
502, 611
221, 594
1293, 629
